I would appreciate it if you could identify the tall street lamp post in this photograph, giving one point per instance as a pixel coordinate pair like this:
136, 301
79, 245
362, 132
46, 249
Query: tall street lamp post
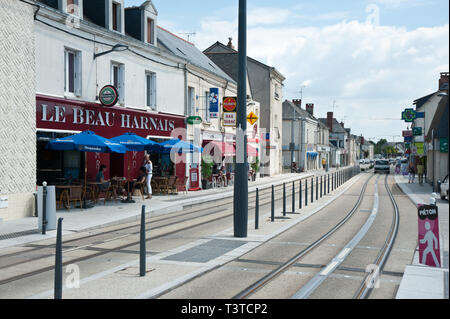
240, 205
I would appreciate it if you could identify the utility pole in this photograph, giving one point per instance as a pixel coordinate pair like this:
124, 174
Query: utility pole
240, 204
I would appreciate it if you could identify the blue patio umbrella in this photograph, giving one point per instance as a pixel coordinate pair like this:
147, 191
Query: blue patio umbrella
86, 141
134, 142
178, 146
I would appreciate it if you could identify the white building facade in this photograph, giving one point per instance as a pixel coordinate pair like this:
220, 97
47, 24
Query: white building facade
17, 106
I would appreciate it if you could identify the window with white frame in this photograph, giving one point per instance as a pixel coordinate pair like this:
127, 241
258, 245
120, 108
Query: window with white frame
118, 79
150, 80
72, 72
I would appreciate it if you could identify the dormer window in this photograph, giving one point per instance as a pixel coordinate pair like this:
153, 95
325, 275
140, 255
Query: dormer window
116, 15
140, 22
150, 31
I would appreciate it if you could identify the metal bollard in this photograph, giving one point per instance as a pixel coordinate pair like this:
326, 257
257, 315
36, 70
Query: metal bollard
317, 187
300, 196
293, 197
58, 262
284, 199
328, 184
142, 250
321, 186
257, 210
44, 208
312, 190
272, 216
306, 192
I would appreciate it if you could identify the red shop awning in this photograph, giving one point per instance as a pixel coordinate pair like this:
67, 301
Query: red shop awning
226, 149
252, 151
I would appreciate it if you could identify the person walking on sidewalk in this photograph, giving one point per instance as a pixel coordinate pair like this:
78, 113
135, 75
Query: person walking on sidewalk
420, 171
149, 168
412, 173
324, 163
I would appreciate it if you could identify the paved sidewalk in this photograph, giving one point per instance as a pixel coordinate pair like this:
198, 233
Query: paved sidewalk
25, 230
420, 281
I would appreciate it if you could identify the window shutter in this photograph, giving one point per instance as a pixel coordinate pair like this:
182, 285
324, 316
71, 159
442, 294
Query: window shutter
148, 92
78, 74
121, 83
65, 70
154, 91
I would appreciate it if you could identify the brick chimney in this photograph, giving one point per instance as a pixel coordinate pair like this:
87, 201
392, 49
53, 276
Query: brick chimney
443, 79
297, 102
230, 43
330, 121
310, 108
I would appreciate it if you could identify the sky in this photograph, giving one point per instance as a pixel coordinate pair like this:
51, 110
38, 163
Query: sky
369, 58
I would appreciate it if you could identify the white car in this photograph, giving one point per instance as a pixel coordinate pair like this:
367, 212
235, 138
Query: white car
443, 186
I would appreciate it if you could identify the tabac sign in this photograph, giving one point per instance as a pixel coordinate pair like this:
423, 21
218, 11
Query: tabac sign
229, 104
229, 111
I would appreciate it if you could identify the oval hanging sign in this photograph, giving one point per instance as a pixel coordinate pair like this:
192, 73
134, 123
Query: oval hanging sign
229, 104
194, 120
108, 96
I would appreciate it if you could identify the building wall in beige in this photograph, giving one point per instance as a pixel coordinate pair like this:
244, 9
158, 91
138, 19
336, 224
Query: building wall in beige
17, 109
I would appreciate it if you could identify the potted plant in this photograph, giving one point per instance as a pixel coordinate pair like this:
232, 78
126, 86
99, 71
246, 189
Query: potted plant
207, 165
255, 168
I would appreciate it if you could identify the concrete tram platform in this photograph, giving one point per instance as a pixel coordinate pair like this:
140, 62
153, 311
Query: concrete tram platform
420, 281
25, 230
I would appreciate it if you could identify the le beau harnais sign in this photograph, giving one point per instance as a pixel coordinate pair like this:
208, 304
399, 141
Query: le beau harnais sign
60, 114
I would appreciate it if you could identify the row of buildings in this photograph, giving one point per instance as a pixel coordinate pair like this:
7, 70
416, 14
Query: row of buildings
310, 142
428, 137
57, 55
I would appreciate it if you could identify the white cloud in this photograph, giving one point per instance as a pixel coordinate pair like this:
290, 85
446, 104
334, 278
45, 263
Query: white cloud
267, 16
372, 71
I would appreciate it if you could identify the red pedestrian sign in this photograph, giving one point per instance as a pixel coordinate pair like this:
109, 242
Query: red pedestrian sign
429, 247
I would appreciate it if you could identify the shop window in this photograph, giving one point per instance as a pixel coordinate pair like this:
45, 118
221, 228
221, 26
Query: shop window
72, 72
151, 90
118, 80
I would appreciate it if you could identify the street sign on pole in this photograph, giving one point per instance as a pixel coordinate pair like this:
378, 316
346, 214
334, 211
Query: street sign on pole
252, 118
